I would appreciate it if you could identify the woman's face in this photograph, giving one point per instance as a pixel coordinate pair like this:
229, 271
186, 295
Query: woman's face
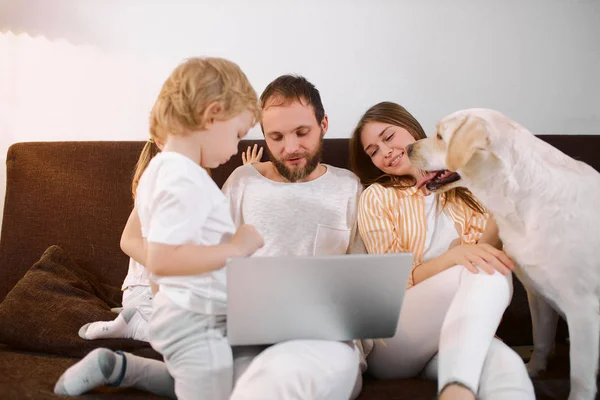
386, 145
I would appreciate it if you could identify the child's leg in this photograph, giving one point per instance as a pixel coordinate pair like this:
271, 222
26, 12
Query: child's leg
195, 349
131, 323
102, 367
139, 297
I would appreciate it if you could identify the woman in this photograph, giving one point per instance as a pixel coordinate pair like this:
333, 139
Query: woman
460, 284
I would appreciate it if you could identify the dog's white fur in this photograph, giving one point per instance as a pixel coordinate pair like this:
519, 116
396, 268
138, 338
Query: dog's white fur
546, 207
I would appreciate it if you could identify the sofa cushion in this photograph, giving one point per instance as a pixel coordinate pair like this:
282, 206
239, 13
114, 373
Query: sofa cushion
46, 308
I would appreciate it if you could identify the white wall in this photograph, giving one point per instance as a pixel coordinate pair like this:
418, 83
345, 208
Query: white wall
536, 60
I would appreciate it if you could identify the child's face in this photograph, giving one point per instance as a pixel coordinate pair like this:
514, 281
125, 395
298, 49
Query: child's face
222, 138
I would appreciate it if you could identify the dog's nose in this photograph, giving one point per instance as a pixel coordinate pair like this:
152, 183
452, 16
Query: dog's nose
409, 150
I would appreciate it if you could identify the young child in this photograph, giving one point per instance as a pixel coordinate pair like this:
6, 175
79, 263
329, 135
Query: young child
204, 108
132, 322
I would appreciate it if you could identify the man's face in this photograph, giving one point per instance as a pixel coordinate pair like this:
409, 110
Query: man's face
294, 138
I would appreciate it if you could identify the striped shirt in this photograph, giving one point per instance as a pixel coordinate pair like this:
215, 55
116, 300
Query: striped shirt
393, 220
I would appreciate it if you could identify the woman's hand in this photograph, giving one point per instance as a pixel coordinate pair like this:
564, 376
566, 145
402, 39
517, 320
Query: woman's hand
485, 256
252, 154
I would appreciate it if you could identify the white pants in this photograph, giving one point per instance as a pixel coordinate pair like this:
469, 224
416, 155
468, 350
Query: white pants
446, 329
300, 370
140, 298
196, 351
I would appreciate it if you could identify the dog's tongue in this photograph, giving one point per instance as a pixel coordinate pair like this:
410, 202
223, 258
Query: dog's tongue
429, 176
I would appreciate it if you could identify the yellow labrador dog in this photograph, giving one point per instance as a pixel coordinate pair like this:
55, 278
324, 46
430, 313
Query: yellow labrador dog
546, 206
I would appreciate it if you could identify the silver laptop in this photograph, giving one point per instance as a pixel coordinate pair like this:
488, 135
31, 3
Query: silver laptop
274, 299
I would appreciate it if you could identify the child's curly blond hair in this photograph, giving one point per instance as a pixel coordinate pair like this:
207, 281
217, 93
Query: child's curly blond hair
198, 90
184, 100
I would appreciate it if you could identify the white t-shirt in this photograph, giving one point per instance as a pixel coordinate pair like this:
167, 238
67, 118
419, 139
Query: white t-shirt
137, 275
178, 203
300, 218
440, 230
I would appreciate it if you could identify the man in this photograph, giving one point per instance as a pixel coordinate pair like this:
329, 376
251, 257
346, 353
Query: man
300, 207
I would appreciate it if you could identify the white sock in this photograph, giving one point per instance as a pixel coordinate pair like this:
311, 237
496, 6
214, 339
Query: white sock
129, 324
99, 368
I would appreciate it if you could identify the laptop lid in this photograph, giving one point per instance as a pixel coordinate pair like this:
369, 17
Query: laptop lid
345, 297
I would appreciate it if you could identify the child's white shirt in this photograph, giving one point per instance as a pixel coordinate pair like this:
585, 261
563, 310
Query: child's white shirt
137, 275
178, 203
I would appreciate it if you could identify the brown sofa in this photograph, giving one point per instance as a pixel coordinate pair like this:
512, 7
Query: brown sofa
76, 195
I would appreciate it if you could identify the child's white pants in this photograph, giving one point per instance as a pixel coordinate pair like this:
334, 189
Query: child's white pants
195, 349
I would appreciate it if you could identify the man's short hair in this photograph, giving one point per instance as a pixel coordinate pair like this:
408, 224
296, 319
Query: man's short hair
290, 88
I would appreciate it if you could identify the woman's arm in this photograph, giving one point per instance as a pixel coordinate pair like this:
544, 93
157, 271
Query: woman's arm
432, 267
377, 231
485, 256
376, 225
444, 261
132, 242
490, 234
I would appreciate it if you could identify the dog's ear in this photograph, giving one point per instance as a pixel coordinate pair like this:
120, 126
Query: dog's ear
469, 136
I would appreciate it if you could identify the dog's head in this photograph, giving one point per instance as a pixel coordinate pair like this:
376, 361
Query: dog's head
462, 140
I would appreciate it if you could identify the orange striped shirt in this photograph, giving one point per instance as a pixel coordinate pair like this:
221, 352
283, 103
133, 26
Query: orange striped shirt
392, 220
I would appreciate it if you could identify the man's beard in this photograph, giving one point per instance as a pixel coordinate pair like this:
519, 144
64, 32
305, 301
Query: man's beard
296, 174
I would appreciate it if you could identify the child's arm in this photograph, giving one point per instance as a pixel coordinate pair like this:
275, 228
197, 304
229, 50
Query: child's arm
252, 155
179, 208
132, 242
191, 259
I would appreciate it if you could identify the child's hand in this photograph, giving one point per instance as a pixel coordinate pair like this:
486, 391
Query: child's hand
252, 155
247, 239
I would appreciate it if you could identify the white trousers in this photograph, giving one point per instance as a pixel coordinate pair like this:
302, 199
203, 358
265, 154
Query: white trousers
446, 331
300, 370
196, 351
140, 298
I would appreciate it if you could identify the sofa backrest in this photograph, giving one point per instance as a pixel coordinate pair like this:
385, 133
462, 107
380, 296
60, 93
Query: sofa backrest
77, 195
